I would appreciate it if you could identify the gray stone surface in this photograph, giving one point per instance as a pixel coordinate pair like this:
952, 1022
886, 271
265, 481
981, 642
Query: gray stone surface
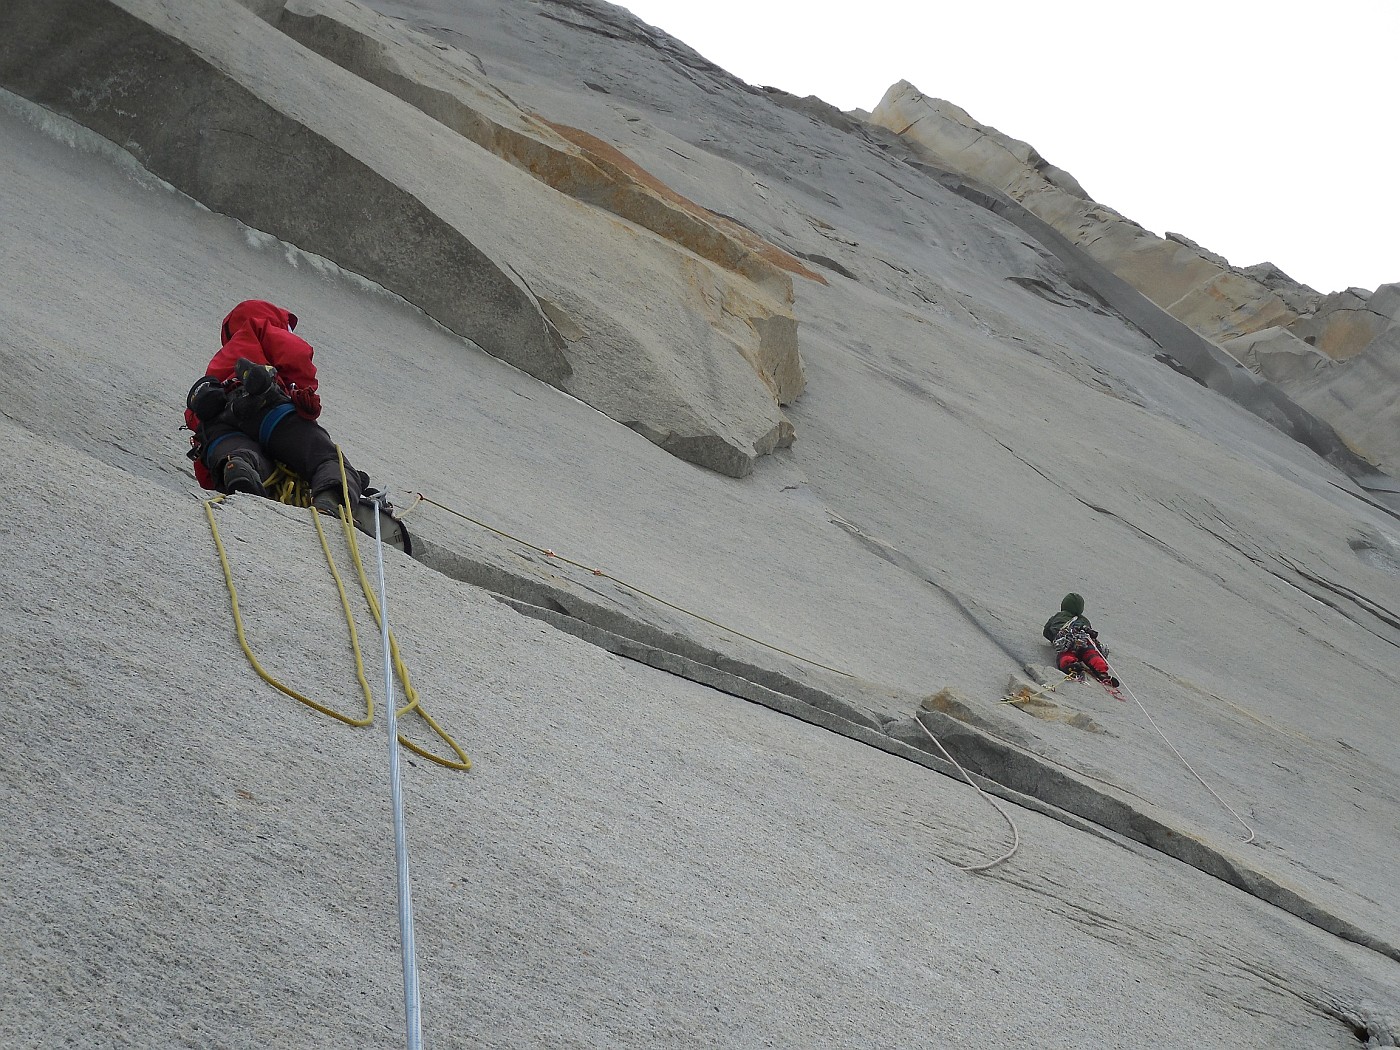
281, 138
1278, 355
1386, 301
637, 858
1300, 298
1361, 394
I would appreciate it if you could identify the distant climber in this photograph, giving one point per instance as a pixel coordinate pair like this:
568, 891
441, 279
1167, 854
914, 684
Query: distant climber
1076, 642
257, 406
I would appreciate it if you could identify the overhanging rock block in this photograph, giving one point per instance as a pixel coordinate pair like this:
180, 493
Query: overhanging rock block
241, 117
147, 79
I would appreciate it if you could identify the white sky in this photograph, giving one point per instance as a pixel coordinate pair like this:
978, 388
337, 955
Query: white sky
1260, 130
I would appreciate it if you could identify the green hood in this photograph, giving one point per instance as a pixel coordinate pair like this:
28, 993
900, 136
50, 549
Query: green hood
1073, 604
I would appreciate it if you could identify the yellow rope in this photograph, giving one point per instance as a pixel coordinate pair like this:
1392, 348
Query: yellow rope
1024, 693
289, 488
400, 668
420, 498
248, 650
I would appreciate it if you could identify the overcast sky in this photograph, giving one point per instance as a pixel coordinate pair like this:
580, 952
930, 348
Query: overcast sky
1259, 130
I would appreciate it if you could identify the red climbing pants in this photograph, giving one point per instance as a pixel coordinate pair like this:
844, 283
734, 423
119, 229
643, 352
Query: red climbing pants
1089, 656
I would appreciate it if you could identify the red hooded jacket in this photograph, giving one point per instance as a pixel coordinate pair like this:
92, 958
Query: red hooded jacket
261, 332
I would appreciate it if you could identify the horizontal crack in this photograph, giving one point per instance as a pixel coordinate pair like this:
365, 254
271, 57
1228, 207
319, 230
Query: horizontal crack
1004, 769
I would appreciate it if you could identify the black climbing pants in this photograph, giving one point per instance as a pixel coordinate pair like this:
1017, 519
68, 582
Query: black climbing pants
302, 445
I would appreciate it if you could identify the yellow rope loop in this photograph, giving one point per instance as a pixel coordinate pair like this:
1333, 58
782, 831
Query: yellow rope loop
461, 762
248, 650
287, 487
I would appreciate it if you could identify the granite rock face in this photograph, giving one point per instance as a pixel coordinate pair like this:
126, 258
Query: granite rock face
1278, 355
1222, 302
1361, 391
1344, 324
246, 120
714, 720
444, 83
1192, 284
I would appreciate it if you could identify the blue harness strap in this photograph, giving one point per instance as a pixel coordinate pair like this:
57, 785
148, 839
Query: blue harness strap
270, 421
209, 458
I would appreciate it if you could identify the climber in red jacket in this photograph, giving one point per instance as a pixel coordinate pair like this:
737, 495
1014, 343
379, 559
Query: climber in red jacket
257, 405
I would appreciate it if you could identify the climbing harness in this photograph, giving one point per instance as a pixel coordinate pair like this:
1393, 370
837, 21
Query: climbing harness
288, 488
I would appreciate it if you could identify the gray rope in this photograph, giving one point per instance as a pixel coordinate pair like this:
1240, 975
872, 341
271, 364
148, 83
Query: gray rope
412, 1002
1177, 753
1015, 834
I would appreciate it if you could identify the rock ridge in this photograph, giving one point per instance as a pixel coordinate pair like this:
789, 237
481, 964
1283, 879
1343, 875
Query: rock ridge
1223, 303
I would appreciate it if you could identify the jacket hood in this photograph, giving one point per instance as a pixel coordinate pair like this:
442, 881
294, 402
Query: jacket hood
1073, 604
246, 313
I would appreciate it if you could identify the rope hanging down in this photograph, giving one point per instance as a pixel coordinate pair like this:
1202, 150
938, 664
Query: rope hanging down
1021, 697
1153, 722
412, 999
1015, 832
290, 490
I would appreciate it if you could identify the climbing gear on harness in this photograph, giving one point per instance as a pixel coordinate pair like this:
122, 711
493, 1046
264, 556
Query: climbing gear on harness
1072, 638
207, 399
255, 400
307, 402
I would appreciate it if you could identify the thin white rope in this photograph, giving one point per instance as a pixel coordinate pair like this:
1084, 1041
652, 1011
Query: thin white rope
1015, 833
1177, 753
413, 1019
